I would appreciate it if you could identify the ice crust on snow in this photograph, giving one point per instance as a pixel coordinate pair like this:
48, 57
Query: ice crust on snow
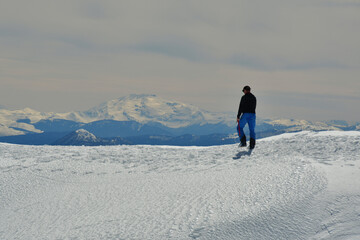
294, 186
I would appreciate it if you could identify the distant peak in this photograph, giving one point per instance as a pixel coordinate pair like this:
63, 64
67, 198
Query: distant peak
79, 131
85, 135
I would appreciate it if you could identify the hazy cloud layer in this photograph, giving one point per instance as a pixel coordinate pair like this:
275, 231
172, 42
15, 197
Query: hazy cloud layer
302, 58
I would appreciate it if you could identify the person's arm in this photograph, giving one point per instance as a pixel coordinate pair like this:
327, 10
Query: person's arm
240, 110
255, 103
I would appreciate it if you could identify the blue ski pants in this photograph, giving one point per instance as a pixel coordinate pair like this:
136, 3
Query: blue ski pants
250, 119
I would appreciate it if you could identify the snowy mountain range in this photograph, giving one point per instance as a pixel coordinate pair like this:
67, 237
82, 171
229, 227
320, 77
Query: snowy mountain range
140, 115
136, 108
140, 108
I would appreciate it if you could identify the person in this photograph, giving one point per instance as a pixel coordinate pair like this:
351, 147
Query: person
247, 115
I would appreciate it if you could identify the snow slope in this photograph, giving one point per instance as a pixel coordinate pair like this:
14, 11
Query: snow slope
295, 186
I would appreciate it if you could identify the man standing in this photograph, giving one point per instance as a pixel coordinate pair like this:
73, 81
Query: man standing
247, 112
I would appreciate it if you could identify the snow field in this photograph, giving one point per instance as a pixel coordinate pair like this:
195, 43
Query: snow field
294, 186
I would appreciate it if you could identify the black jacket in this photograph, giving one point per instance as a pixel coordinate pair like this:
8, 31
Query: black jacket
247, 104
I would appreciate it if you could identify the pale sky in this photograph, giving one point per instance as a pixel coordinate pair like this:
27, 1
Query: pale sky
301, 57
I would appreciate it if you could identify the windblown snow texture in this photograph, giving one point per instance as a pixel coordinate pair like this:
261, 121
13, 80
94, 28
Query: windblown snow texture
294, 186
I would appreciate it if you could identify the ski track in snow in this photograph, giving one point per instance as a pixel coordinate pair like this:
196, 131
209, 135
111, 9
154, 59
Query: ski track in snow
295, 186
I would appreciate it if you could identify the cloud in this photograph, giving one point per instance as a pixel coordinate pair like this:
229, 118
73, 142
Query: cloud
93, 9
255, 34
190, 50
340, 3
174, 46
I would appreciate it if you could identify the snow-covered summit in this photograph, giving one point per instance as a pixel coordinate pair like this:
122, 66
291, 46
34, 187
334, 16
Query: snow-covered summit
82, 134
78, 137
148, 108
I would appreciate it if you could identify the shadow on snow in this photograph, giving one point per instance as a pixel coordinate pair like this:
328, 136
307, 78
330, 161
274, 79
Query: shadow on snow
242, 154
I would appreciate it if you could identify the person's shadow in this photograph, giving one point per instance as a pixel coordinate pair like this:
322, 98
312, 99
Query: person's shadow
243, 153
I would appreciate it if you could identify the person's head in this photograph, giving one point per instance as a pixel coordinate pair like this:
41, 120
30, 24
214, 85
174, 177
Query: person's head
246, 89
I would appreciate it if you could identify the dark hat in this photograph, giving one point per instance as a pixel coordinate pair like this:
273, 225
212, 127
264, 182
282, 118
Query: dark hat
247, 88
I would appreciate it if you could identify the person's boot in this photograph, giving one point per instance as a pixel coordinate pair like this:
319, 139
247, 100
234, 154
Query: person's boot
243, 141
252, 143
